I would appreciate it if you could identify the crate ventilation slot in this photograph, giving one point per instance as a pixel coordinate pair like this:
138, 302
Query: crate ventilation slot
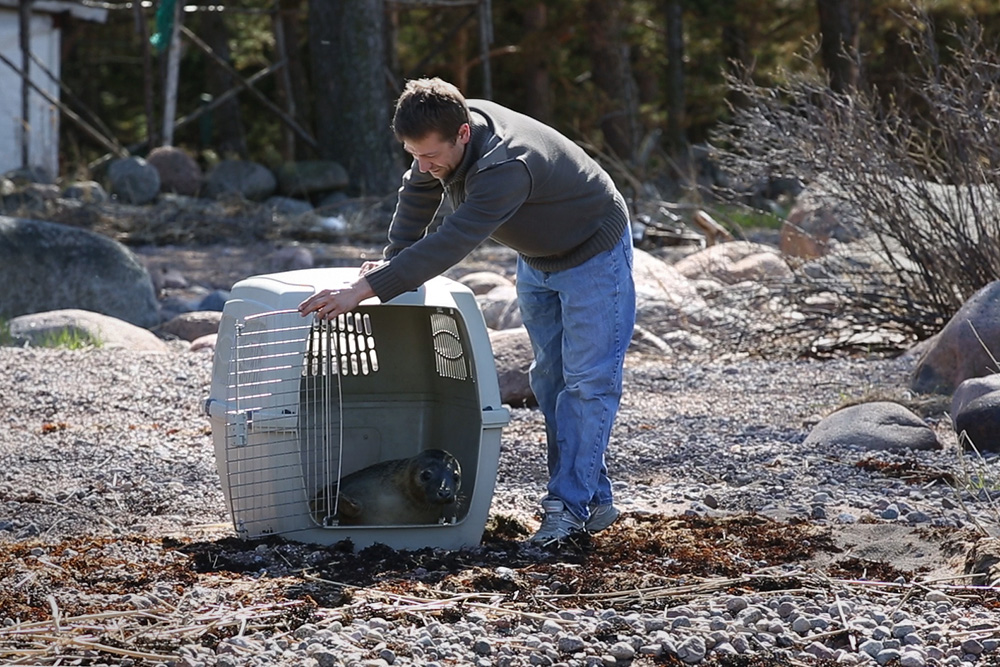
345, 342
448, 351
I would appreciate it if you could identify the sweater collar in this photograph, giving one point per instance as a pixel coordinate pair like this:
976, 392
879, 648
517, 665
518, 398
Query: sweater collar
473, 149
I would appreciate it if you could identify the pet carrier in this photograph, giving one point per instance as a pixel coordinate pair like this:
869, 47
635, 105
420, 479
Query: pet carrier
297, 404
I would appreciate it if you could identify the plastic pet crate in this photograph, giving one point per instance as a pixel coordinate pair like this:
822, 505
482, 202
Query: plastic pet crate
298, 403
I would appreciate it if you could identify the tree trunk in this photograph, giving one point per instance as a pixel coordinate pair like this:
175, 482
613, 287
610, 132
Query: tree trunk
352, 99
292, 84
612, 75
537, 45
838, 23
736, 47
148, 75
676, 121
229, 138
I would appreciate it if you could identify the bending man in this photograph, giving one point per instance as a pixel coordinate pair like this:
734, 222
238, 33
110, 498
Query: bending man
518, 181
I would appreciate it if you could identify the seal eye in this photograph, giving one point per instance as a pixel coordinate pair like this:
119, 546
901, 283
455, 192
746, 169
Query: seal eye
425, 475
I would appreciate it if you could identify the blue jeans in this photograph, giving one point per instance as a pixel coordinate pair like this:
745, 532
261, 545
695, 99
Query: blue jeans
580, 323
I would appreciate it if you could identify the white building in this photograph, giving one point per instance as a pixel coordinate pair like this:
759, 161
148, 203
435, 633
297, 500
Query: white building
43, 116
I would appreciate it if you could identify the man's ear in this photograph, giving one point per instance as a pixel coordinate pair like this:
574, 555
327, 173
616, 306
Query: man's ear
464, 133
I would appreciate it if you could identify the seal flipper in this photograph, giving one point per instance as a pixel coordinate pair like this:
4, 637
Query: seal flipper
348, 508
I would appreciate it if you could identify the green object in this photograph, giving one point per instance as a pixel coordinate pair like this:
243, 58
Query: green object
164, 25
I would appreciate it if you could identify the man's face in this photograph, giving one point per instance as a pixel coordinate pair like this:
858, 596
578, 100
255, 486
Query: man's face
437, 155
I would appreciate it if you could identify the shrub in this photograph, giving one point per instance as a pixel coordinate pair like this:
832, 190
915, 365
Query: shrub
921, 163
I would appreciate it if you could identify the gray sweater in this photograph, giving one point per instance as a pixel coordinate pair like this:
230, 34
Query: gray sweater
521, 183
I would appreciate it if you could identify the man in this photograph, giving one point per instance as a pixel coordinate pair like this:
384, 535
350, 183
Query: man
518, 181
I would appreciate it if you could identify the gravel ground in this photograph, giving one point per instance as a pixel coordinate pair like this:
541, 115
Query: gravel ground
118, 548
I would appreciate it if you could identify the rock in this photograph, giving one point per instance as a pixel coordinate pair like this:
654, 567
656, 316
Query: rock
296, 179
206, 342
166, 277
761, 267
288, 206
89, 192
179, 172
665, 298
27, 175
104, 331
290, 258
241, 178
979, 420
879, 425
43, 192
481, 282
971, 389
733, 262
133, 180
818, 218
214, 300
957, 352
188, 301
193, 325
513, 355
623, 651
46, 266
692, 650
500, 309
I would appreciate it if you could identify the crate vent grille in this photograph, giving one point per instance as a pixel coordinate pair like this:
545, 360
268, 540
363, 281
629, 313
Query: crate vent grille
448, 351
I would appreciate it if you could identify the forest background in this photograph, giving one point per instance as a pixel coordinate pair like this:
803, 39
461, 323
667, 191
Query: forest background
637, 82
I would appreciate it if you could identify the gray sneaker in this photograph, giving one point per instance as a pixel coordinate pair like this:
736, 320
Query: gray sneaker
601, 516
557, 524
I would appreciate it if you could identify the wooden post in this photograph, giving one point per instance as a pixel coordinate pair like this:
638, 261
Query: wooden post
24, 36
173, 73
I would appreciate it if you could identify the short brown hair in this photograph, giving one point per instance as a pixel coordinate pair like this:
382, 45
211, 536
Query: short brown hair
429, 105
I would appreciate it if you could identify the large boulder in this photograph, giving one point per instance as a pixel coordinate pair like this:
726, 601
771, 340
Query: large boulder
500, 308
308, 177
665, 298
241, 178
133, 180
179, 172
85, 326
46, 266
735, 261
481, 282
513, 357
965, 348
879, 425
971, 389
979, 420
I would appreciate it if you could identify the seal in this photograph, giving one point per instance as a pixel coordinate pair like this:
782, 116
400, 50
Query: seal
421, 489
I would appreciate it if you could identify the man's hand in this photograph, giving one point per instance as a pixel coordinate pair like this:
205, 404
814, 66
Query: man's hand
329, 303
371, 266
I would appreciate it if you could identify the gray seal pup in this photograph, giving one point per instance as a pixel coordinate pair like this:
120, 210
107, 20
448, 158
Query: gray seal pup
421, 489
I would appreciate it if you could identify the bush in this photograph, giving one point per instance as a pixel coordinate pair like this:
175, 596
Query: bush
921, 163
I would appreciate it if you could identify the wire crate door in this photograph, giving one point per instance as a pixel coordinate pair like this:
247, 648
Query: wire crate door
340, 348
283, 432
